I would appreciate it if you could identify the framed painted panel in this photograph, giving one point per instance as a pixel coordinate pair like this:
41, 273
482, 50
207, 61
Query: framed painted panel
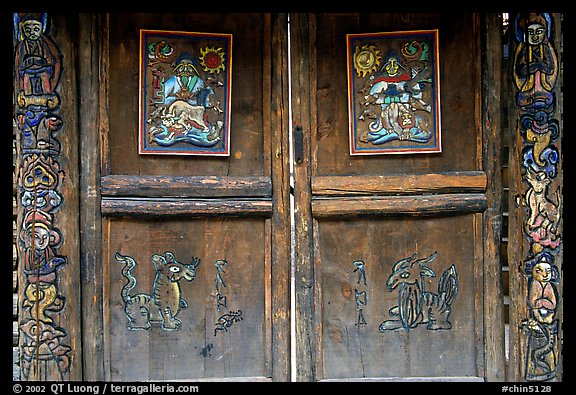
394, 92
185, 93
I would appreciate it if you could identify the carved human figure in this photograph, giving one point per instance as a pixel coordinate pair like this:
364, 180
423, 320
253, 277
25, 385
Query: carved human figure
541, 293
37, 58
40, 239
542, 327
535, 64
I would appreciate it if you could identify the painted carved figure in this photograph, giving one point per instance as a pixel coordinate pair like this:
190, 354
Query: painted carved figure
535, 74
37, 57
397, 91
227, 320
43, 350
41, 240
166, 300
542, 327
42, 297
416, 306
544, 215
37, 73
393, 100
535, 63
185, 85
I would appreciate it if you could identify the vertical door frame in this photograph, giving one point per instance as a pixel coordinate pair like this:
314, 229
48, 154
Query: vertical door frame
92, 66
523, 250
302, 42
61, 328
491, 74
488, 224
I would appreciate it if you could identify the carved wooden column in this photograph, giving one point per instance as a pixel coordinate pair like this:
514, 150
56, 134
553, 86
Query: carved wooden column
48, 259
536, 247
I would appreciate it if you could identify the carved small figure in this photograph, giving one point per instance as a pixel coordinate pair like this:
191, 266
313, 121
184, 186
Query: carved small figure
542, 325
226, 321
417, 306
166, 299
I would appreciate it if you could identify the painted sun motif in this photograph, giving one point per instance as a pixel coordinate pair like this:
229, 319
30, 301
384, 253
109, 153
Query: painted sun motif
366, 59
212, 59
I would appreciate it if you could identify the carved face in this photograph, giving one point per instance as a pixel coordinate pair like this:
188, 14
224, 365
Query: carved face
542, 272
177, 271
171, 268
403, 276
535, 33
41, 237
392, 67
31, 29
538, 181
169, 120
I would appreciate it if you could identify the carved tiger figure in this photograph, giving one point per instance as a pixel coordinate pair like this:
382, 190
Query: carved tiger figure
166, 299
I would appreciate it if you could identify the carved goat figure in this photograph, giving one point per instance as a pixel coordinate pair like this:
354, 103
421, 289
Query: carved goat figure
417, 306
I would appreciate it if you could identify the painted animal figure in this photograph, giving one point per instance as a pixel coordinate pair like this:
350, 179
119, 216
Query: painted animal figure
542, 224
166, 300
417, 306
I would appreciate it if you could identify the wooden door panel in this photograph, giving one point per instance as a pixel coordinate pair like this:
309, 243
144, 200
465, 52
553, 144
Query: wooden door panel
163, 213
359, 337
374, 211
227, 303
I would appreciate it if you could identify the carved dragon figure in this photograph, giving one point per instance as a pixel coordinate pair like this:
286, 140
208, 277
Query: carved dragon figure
166, 299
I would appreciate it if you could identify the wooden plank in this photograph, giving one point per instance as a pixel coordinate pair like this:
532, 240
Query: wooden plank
406, 379
91, 59
15, 333
15, 364
14, 305
494, 347
192, 186
185, 207
280, 222
69, 279
448, 182
419, 205
303, 89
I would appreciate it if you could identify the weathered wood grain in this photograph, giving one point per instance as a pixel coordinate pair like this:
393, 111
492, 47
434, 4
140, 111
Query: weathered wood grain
191, 186
91, 37
276, 50
345, 206
303, 91
406, 184
494, 347
234, 208
134, 207
419, 205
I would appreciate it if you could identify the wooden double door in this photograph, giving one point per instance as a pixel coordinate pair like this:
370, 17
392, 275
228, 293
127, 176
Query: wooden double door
186, 259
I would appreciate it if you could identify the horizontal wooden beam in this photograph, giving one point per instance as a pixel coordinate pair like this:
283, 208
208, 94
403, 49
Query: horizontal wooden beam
405, 184
406, 379
166, 207
416, 205
183, 186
